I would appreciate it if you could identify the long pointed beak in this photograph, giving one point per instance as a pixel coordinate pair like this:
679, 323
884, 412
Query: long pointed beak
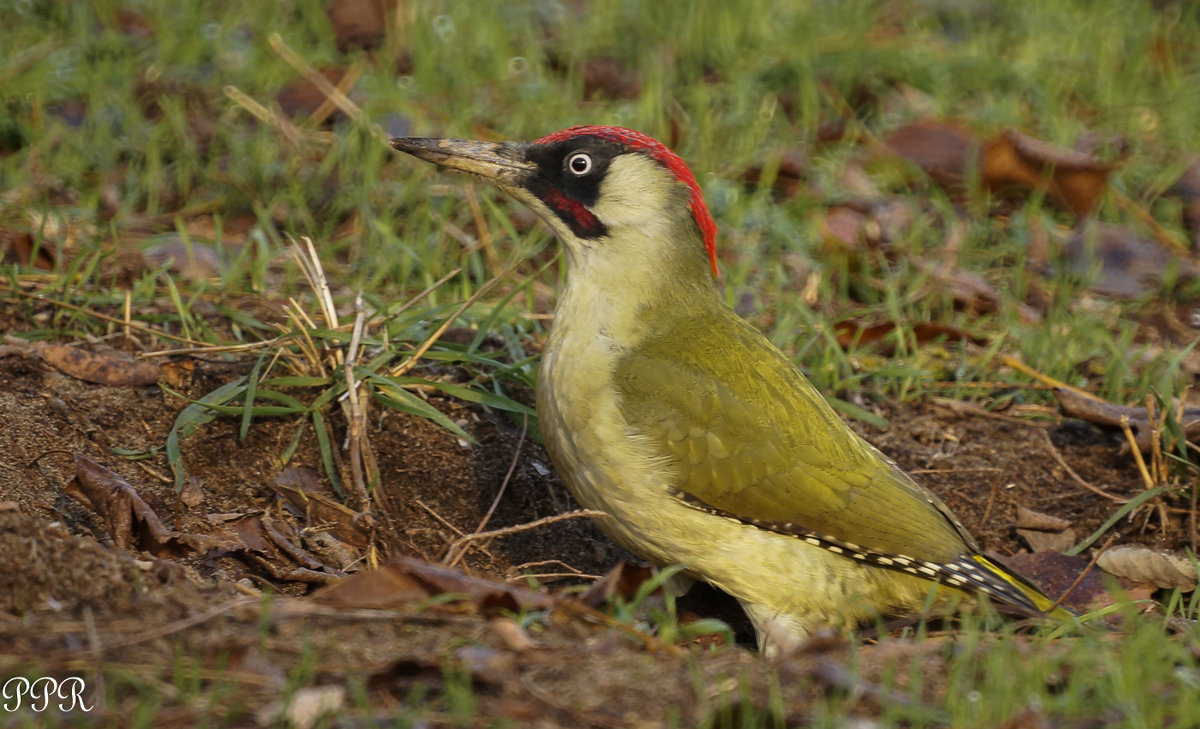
502, 162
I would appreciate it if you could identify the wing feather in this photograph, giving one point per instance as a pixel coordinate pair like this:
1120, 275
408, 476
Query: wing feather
745, 433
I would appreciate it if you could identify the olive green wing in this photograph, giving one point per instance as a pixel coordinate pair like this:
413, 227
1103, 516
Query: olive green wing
746, 434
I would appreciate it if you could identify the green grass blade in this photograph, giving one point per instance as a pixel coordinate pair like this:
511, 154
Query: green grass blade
192, 417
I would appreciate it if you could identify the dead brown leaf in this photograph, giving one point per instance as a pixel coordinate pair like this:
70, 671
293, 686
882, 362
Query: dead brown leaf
1072, 179
361, 23
111, 368
16, 246
942, 148
263, 543
405, 582
1055, 573
1029, 519
843, 229
1149, 566
1127, 264
947, 149
1044, 532
134, 24
606, 78
301, 487
790, 173
132, 524
623, 580
177, 373
972, 291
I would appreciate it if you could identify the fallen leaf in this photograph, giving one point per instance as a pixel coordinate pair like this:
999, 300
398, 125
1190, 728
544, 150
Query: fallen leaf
942, 148
177, 373
111, 368
132, 524
843, 228
606, 78
623, 581
972, 291
1040, 541
790, 168
301, 488
16, 246
258, 539
510, 632
133, 24
1072, 179
361, 23
1044, 532
947, 149
1125, 264
405, 582
1055, 573
1029, 519
1152, 566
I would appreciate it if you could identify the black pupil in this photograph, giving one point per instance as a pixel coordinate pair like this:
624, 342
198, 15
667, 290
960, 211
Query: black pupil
580, 163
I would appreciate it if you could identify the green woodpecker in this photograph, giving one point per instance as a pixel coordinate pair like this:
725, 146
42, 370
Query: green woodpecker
704, 444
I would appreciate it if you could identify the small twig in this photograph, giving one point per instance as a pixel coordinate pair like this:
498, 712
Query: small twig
441, 519
413, 358
127, 312
413, 301
1157, 417
111, 319
343, 102
310, 263
516, 529
547, 576
1192, 514
514, 574
282, 125
215, 348
344, 85
1075, 476
1137, 452
97, 650
1146, 478
355, 418
1066, 593
484, 237
143, 636
987, 510
453, 558
1156, 229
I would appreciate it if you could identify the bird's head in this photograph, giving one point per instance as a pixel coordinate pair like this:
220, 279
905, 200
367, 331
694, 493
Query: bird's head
593, 185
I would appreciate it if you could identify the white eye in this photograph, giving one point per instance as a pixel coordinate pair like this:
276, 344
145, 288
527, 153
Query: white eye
580, 164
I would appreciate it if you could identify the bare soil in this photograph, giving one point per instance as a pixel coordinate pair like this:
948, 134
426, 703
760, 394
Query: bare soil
73, 601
